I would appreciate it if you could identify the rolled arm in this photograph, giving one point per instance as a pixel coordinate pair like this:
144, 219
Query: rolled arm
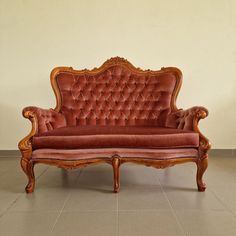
188, 120
42, 121
47, 119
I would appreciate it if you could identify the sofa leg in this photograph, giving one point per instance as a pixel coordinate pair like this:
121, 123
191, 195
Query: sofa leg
116, 173
28, 168
202, 165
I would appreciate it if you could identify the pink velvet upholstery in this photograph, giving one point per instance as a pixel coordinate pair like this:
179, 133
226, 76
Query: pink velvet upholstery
47, 119
115, 136
107, 153
183, 119
117, 97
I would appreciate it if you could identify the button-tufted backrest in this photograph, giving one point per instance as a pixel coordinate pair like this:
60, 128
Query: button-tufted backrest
115, 94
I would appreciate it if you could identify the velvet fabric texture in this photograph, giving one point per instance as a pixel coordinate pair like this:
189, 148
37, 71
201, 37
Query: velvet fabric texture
116, 136
107, 153
184, 119
115, 108
116, 96
47, 119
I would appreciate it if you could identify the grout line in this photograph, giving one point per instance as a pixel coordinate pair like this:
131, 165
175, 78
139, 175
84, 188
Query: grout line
19, 196
7, 209
172, 209
117, 214
63, 206
226, 207
42, 173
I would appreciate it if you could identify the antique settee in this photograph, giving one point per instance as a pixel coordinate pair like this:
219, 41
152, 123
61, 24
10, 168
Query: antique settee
116, 113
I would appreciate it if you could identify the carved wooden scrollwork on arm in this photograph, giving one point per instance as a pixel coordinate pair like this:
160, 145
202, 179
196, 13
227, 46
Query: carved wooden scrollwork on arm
39, 118
25, 145
188, 120
42, 120
204, 144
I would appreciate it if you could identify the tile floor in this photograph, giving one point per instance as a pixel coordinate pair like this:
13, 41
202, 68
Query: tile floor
150, 202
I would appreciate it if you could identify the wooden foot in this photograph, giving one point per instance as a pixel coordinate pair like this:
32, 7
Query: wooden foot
202, 165
116, 173
28, 168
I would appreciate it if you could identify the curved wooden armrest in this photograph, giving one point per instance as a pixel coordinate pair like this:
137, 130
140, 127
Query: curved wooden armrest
42, 121
188, 120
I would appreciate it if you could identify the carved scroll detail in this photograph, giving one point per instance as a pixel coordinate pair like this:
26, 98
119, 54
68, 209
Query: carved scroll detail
202, 165
25, 146
204, 144
28, 168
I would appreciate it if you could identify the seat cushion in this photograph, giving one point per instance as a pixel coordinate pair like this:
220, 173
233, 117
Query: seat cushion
108, 153
116, 137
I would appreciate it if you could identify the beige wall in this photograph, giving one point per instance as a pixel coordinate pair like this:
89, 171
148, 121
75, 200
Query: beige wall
197, 36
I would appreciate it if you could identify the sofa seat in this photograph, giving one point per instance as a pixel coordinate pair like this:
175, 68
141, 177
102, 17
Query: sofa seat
82, 137
108, 153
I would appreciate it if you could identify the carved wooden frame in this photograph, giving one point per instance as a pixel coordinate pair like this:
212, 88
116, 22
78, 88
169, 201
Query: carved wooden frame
25, 145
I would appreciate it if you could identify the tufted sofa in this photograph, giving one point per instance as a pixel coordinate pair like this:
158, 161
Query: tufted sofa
116, 113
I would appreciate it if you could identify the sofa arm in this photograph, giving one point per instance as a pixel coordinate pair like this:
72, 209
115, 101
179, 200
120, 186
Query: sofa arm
188, 120
42, 121
47, 119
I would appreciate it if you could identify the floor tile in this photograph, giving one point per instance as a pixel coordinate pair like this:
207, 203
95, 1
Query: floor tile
25, 223
15, 180
148, 223
138, 175
205, 223
179, 177
91, 200
7, 200
227, 195
93, 191
57, 178
220, 176
185, 199
86, 223
100, 180
52, 189
142, 198
40, 201
146, 202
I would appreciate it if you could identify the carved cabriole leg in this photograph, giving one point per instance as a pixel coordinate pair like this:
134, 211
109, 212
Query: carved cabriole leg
202, 165
116, 172
28, 167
